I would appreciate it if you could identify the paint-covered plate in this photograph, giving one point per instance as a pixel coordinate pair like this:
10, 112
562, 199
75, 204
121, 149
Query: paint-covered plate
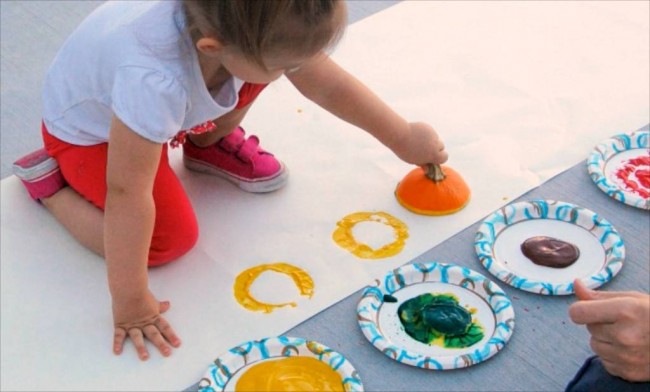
620, 167
490, 308
224, 372
500, 236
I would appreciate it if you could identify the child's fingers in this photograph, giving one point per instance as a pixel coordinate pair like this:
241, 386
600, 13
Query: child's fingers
443, 156
138, 341
168, 332
118, 340
155, 336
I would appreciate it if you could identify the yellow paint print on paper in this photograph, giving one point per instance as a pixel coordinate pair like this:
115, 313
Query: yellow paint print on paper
244, 281
345, 239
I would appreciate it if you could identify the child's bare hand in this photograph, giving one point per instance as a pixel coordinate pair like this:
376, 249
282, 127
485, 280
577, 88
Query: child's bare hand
141, 319
421, 146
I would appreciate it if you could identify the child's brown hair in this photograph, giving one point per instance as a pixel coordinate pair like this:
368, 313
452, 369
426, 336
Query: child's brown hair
262, 27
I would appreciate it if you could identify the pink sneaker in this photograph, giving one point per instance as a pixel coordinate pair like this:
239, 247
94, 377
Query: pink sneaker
239, 160
40, 174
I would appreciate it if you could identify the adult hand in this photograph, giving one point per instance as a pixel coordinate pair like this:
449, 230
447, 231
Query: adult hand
619, 324
140, 319
421, 145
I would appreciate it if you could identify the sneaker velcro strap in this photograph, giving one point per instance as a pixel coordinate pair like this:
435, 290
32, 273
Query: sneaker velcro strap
233, 142
248, 149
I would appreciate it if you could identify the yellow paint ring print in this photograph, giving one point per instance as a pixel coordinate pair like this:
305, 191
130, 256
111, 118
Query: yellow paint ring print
245, 280
344, 237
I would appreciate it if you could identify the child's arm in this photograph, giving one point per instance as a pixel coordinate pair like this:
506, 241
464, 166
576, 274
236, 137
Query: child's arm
324, 82
128, 227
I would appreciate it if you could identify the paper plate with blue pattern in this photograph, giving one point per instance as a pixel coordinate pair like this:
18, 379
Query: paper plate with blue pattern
225, 371
499, 239
389, 314
620, 167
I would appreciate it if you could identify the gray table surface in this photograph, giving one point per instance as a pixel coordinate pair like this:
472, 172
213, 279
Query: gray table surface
546, 349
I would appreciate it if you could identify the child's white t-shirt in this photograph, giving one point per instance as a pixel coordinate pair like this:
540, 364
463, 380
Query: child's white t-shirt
133, 59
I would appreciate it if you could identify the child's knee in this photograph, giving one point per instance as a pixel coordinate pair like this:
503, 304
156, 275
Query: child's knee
170, 246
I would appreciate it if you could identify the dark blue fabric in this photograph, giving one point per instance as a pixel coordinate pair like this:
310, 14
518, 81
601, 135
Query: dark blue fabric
593, 377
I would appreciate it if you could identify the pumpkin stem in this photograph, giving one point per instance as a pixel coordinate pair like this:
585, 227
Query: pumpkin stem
434, 172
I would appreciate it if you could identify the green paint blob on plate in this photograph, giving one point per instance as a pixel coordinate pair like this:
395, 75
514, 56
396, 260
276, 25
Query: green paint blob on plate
439, 319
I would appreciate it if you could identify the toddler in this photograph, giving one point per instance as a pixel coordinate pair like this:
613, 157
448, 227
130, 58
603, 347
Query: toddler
135, 77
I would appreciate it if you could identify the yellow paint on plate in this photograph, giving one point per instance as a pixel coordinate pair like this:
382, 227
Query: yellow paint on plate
290, 374
244, 280
345, 239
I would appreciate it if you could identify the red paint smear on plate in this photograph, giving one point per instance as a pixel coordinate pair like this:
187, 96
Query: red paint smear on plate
635, 175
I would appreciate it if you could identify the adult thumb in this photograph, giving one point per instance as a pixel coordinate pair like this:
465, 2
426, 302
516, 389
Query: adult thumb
583, 292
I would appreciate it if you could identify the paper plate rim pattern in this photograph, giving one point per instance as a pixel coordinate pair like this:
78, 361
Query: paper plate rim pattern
372, 300
604, 151
513, 213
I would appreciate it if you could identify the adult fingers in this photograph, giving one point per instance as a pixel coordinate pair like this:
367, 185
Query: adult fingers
602, 332
168, 332
153, 334
119, 336
613, 367
617, 361
138, 341
633, 373
604, 349
627, 355
596, 311
624, 335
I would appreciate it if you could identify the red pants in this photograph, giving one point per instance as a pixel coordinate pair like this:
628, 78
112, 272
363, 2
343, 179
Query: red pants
175, 229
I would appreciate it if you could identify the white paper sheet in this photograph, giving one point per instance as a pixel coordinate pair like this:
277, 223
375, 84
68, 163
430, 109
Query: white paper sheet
519, 91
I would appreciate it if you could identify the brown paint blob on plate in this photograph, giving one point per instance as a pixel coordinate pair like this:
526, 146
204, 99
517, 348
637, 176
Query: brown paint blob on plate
550, 252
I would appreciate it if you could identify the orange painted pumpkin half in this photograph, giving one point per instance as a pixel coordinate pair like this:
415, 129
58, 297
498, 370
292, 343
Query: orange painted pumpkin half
435, 191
